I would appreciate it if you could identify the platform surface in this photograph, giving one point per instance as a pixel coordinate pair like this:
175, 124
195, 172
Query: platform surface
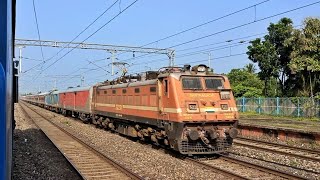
294, 124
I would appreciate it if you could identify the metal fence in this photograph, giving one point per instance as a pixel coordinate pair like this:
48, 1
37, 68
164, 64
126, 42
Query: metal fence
295, 106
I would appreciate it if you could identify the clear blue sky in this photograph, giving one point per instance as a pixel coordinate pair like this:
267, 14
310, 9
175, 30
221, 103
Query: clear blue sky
144, 22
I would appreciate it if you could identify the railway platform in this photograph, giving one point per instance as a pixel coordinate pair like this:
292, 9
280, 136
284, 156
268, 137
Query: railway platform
283, 129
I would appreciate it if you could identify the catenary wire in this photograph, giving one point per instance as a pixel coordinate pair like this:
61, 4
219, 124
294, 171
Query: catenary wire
235, 27
92, 34
203, 24
85, 29
38, 31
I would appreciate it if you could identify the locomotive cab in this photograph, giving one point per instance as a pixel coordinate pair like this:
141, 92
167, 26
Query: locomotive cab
205, 112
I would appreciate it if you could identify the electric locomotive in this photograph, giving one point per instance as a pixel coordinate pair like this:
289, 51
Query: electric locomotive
190, 110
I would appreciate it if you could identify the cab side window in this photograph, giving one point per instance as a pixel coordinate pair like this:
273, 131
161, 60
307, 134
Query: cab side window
166, 87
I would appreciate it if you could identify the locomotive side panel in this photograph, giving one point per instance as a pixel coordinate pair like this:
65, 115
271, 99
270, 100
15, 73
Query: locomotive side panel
135, 103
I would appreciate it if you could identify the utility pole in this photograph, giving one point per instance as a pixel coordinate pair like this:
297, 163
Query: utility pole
113, 58
82, 80
209, 58
171, 55
55, 84
20, 59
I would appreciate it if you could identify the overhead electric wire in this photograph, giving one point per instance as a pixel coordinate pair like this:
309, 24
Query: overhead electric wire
242, 42
38, 31
32, 59
205, 23
197, 52
220, 57
103, 13
200, 25
87, 65
208, 22
92, 34
235, 27
45, 61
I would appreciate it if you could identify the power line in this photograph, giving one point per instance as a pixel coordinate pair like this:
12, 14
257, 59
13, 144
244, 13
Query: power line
200, 25
38, 31
92, 34
246, 24
44, 61
236, 27
32, 59
104, 12
211, 44
198, 52
208, 22
220, 57
243, 41
205, 23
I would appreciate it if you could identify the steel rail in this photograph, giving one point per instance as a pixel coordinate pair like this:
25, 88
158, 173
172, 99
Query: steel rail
276, 163
313, 151
217, 169
278, 151
116, 165
70, 162
262, 168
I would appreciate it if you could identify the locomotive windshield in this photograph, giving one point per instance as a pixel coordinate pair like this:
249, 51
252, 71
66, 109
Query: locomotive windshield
213, 83
191, 83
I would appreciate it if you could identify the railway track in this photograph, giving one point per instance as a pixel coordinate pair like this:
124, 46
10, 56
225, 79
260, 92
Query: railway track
239, 169
89, 162
303, 153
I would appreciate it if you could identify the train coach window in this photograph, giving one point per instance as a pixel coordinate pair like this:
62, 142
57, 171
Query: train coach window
214, 83
191, 83
137, 90
114, 91
105, 92
153, 89
124, 91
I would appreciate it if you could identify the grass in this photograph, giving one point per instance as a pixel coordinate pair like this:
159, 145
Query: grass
275, 117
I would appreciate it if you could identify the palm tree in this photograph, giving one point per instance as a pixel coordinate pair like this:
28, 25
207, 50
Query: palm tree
250, 68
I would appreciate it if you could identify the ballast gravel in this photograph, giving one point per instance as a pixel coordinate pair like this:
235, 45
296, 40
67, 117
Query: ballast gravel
278, 161
34, 156
149, 162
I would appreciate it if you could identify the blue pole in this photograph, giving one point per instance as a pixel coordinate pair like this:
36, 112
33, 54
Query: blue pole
243, 104
259, 105
298, 107
278, 106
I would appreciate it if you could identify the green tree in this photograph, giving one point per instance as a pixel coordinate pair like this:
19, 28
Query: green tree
245, 83
272, 55
250, 68
305, 63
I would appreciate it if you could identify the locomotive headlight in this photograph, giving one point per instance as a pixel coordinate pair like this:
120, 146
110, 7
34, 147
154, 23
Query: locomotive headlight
201, 69
224, 106
225, 95
193, 107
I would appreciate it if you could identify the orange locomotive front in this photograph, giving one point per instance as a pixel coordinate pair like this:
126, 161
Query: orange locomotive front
192, 111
